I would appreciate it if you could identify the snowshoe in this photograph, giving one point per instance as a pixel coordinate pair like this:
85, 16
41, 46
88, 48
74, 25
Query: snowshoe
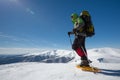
88, 68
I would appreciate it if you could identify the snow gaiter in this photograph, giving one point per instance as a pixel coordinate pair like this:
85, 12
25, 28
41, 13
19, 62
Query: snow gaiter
80, 52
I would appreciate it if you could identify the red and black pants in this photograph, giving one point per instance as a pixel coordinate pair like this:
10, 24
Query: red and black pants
79, 46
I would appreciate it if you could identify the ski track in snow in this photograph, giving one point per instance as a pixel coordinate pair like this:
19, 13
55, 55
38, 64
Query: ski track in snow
110, 70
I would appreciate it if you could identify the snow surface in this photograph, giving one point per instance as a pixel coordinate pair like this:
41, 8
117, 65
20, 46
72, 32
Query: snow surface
107, 59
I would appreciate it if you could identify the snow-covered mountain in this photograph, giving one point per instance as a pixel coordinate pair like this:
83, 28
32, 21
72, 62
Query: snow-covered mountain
105, 55
62, 56
46, 56
34, 65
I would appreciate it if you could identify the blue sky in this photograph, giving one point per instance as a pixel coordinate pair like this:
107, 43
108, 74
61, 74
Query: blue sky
45, 23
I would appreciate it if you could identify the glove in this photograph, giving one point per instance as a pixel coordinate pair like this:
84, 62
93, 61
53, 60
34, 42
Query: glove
69, 33
74, 30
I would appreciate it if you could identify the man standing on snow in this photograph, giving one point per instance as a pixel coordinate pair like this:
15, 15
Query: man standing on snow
81, 31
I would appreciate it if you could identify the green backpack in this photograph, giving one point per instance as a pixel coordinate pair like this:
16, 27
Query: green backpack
88, 28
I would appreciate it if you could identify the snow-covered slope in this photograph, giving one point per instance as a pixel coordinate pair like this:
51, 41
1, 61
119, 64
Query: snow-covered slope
105, 55
107, 59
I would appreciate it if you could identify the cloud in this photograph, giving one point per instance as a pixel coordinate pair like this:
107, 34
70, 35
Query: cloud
30, 11
25, 42
19, 50
10, 37
13, 0
49, 43
6, 36
18, 41
20, 3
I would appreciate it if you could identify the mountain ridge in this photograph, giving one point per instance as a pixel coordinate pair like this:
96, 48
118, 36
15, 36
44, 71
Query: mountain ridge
63, 56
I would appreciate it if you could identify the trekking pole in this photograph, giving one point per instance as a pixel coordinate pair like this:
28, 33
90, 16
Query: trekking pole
71, 45
70, 40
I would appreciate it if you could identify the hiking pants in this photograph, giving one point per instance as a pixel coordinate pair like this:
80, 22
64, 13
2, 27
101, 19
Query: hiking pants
79, 46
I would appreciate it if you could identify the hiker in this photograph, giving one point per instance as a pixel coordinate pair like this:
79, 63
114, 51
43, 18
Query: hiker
83, 28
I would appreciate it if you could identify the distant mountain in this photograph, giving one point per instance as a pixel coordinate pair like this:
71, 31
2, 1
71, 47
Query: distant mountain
46, 56
104, 55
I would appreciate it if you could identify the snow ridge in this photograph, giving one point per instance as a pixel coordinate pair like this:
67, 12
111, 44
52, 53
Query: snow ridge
46, 56
102, 55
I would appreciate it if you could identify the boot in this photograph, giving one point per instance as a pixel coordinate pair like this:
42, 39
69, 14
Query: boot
84, 63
